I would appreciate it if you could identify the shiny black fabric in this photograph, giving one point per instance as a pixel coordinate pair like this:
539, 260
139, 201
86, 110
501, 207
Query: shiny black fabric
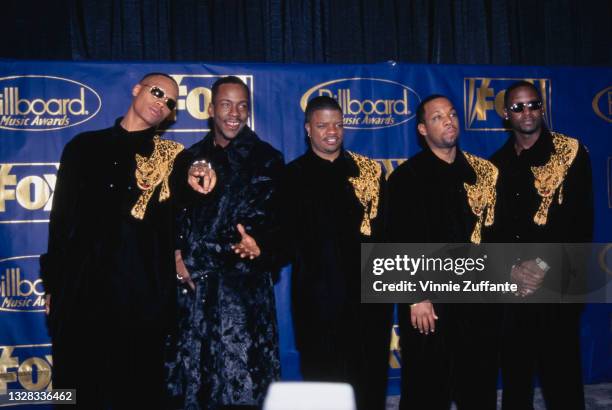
227, 350
427, 203
338, 338
571, 221
110, 275
427, 200
544, 338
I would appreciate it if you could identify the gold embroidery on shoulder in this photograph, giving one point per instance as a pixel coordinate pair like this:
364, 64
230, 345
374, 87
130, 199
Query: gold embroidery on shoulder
367, 188
482, 195
152, 171
550, 176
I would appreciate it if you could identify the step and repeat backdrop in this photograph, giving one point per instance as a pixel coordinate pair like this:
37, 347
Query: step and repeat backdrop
44, 104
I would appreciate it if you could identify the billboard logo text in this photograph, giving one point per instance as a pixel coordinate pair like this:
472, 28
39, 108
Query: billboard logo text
45, 103
602, 104
368, 103
21, 289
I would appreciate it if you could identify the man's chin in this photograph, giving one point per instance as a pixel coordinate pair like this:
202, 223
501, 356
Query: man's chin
451, 141
531, 131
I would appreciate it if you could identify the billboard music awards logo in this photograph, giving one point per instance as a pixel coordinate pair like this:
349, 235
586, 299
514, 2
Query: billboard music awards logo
368, 103
21, 289
483, 101
194, 97
602, 104
26, 191
25, 367
45, 103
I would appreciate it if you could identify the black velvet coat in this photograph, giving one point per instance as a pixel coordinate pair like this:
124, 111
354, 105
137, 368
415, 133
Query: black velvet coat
110, 275
428, 203
339, 339
227, 344
545, 337
569, 220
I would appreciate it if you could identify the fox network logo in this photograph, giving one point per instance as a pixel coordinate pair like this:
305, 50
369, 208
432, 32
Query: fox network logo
483, 101
26, 191
25, 367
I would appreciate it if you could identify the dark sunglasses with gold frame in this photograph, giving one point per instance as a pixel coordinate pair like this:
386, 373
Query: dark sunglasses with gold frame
159, 93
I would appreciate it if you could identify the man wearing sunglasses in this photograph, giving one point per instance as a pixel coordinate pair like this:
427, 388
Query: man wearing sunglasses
109, 269
546, 197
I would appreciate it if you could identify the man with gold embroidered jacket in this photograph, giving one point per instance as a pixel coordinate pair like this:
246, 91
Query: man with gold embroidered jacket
547, 198
109, 270
444, 195
332, 201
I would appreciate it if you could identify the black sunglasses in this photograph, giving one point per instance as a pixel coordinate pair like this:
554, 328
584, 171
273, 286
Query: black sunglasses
531, 105
160, 93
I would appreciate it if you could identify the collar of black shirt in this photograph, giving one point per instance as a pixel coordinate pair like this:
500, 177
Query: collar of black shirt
344, 163
537, 154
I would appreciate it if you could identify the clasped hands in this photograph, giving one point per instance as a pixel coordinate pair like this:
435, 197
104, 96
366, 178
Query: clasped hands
528, 276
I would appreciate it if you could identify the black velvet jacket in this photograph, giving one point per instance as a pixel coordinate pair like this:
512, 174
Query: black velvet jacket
103, 265
427, 201
569, 218
568, 221
322, 218
228, 343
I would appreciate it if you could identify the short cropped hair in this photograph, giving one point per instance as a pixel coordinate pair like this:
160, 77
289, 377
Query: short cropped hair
322, 102
420, 117
519, 84
230, 79
154, 74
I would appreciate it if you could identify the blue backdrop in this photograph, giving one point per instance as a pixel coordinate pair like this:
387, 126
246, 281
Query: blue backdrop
44, 104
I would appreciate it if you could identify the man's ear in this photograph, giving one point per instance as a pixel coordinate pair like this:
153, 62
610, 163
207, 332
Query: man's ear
422, 129
307, 127
136, 90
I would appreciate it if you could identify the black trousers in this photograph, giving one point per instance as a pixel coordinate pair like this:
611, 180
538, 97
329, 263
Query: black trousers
543, 340
111, 368
458, 362
355, 351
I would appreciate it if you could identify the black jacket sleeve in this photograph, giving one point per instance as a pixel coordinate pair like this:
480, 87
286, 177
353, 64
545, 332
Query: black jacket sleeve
63, 219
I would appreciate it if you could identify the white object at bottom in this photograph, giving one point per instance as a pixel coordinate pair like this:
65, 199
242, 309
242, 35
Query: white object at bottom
309, 396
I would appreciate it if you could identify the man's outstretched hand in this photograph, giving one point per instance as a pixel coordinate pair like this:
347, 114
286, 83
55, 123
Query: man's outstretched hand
247, 247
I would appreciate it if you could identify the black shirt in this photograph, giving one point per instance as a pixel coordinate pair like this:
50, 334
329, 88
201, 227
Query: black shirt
568, 221
569, 218
322, 220
427, 201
